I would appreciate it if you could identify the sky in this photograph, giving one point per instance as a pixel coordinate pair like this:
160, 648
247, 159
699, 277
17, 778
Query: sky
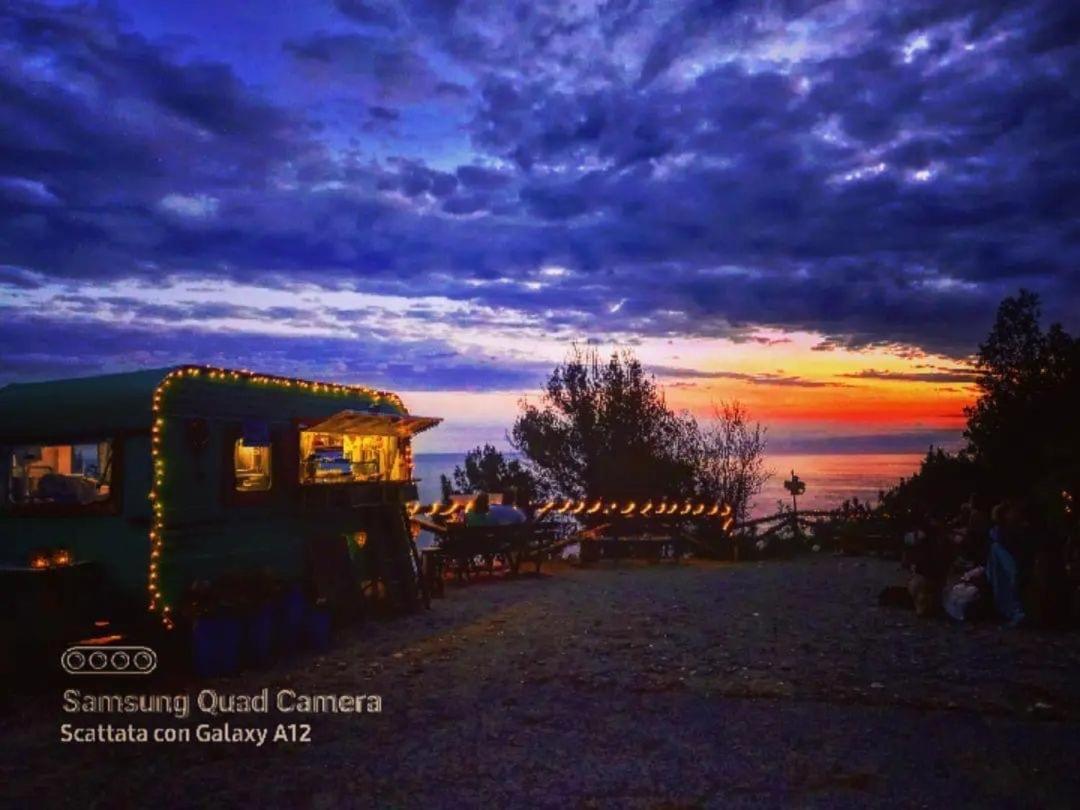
811, 207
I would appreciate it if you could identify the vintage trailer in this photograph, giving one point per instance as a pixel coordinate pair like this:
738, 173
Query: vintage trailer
166, 481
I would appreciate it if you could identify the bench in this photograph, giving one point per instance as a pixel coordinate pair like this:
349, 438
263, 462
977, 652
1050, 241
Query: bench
470, 549
653, 549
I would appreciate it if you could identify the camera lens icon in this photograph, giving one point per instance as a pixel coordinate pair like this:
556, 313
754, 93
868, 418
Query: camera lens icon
145, 660
73, 660
90, 660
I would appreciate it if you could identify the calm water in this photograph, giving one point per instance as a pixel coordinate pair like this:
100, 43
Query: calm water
830, 478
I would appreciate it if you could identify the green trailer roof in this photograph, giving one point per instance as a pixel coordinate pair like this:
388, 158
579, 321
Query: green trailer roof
87, 408
80, 408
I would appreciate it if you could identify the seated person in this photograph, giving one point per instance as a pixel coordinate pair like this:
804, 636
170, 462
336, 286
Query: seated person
485, 513
1002, 563
479, 514
57, 488
507, 513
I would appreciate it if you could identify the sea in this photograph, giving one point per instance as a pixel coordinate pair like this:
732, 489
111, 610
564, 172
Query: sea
830, 478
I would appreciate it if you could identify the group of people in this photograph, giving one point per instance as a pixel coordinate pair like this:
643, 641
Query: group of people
486, 513
986, 563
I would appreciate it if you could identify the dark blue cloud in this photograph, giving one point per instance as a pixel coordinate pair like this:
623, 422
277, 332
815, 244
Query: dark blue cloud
880, 174
370, 12
50, 348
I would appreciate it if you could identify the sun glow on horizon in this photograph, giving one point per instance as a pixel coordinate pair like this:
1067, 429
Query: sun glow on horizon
789, 381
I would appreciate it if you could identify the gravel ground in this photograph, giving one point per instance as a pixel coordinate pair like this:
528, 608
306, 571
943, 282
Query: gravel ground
700, 684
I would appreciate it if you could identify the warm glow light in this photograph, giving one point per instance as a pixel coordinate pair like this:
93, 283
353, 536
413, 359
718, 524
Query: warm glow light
100, 641
571, 507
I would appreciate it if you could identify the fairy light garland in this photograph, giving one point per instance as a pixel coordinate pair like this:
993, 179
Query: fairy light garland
157, 603
571, 506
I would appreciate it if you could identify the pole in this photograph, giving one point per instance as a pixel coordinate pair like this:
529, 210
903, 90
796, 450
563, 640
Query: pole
794, 508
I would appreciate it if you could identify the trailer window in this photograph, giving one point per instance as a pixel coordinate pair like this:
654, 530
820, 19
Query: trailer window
252, 467
332, 458
69, 474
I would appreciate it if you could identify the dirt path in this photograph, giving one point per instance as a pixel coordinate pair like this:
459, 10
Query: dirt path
696, 684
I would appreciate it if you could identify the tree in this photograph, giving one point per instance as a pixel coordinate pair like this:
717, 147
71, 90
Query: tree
604, 430
1023, 430
731, 468
1023, 433
487, 470
944, 482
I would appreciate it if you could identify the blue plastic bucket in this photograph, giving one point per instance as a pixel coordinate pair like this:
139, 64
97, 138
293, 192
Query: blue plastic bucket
290, 612
318, 629
204, 645
259, 635
231, 638
215, 645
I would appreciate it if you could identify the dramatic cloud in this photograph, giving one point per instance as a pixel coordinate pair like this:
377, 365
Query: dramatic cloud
956, 376
876, 174
777, 379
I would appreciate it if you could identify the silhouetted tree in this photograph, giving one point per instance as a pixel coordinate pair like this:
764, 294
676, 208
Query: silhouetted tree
1024, 430
944, 481
603, 429
487, 470
731, 467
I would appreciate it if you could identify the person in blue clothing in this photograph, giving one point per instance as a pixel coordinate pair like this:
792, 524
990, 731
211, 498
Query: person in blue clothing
1003, 561
508, 512
485, 513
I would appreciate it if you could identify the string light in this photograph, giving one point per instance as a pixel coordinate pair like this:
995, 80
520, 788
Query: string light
571, 506
157, 428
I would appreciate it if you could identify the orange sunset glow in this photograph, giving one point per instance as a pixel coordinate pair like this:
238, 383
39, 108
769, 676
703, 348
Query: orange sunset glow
783, 380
